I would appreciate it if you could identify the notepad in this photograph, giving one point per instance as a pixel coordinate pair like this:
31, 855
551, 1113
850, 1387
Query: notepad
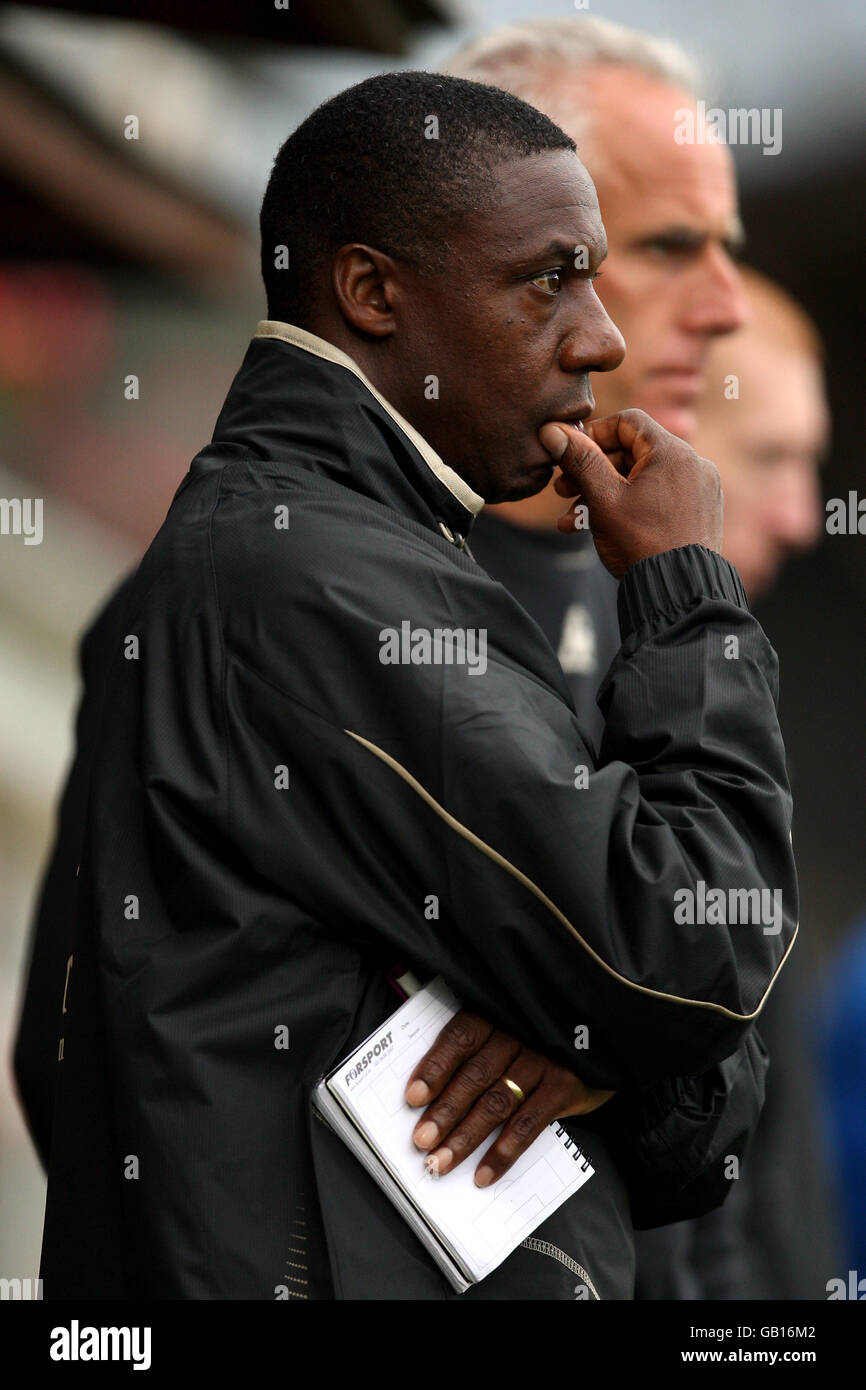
468, 1230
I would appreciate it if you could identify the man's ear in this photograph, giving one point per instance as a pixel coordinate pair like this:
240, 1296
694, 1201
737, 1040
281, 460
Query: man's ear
364, 282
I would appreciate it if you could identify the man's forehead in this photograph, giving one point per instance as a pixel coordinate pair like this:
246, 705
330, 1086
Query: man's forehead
546, 200
556, 178
689, 195
625, 123
676, 209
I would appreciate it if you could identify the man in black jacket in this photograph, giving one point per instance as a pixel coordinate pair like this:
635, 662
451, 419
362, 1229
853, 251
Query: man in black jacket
321, 717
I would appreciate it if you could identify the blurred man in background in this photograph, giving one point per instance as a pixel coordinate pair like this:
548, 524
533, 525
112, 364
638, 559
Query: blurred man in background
764, 421
669, 283
691, 323
765, 413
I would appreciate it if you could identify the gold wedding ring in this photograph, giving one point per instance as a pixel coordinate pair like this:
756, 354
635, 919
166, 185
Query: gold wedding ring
514, 1088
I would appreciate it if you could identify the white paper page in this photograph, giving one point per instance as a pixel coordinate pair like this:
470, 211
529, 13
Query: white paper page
484, 1224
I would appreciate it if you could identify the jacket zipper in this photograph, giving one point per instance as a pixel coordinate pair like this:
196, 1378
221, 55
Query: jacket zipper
544, 1247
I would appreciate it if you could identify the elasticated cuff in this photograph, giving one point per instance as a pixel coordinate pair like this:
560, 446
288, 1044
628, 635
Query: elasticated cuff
666, 585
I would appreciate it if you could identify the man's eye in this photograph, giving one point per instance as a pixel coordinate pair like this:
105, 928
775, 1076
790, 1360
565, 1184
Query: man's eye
550, 281
670, 250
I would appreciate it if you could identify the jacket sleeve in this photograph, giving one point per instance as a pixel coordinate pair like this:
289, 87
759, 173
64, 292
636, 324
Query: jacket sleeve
35, 1048
456, 821
679, 1144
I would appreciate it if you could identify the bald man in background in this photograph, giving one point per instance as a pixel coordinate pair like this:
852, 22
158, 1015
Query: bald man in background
764, 421
690, 322
765, 414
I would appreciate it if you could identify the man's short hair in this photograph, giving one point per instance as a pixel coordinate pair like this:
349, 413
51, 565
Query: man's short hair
391, 162
524, 57
777, 318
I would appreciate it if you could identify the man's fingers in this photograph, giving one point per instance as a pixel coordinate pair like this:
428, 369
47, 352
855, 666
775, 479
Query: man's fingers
581, 459
522, 1129
522, 1121
538, 1110
460, 1039
463, 1079
632, 431
491, 1110
578, 449
565, 486
472, 1080
622, 461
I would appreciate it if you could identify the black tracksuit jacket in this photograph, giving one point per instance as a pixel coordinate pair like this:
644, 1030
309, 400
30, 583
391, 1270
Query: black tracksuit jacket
263, 810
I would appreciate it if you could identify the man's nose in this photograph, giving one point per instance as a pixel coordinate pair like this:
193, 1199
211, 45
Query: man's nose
716, 301
594, 344
797, 515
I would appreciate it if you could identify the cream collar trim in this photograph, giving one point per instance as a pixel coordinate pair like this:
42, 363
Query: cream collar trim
320, 347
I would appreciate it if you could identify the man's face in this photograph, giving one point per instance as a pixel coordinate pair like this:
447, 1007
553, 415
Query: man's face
511, 328
670, 212
767, 445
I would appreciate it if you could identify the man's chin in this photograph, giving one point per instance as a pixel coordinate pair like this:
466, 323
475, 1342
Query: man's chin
680, 420
758, 582
532, 479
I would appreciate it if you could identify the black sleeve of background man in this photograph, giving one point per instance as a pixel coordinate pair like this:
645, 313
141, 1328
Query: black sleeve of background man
673, 1141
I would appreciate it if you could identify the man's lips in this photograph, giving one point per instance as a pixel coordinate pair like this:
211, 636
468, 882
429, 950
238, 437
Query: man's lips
575, 416
690, 368
689, 379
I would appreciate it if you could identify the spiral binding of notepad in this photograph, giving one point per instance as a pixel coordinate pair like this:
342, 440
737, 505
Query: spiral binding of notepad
570, 1144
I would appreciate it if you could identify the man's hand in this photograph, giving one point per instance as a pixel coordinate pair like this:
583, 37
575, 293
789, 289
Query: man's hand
463, 1074
645, 490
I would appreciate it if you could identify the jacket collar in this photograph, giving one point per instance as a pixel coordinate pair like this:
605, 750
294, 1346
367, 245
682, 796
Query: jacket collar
319, 347
298, 398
